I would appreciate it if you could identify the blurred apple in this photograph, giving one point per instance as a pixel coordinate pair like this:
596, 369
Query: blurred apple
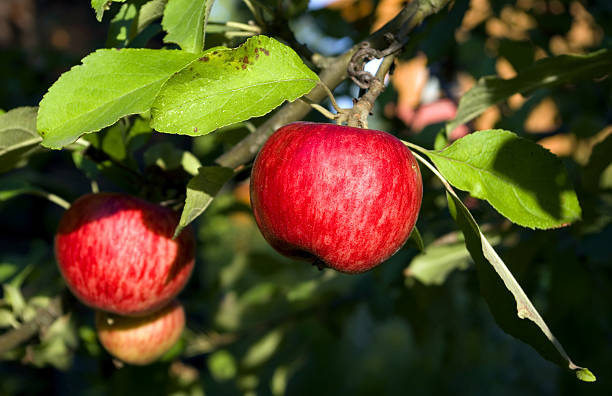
141, 340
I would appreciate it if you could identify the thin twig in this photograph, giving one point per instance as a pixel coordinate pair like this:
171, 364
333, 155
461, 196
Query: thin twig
409, 17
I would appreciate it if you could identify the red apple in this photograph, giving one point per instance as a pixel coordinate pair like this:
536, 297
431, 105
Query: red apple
116, 253
141, 340
344, 197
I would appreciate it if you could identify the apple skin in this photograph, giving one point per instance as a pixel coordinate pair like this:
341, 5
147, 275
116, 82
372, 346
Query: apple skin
141, 340
344, 197
116, 253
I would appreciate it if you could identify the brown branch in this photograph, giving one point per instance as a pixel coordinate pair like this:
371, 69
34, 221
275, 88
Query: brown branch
399, 27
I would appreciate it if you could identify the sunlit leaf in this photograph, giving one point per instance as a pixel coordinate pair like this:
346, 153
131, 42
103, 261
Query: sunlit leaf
108, 85
520, 179
185, 21
230, 85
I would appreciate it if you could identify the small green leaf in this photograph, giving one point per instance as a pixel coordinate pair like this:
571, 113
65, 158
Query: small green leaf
167, 157
131, 19
230, 85
584, 374
263, 349
122, 26
416, 240
201, 190
149, 12
434, 266
100, 6
108, 85
114, 141
7, 270
14, 298
18, 136
599, 166
185, 21
8, 319
520, 179
222, 365
491, 90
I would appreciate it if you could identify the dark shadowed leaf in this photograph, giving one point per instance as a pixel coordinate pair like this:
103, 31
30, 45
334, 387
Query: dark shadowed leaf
132, 19
506, 299
201, 190
18, 136
491, 90
100, 6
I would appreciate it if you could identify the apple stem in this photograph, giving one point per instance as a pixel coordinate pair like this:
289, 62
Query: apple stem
320, 264
54, 198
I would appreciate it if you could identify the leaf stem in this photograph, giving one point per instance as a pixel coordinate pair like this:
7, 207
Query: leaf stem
319, 108
54, 198
330, 95
243, 26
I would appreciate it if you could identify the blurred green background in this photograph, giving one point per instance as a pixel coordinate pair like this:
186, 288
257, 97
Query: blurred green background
260, 324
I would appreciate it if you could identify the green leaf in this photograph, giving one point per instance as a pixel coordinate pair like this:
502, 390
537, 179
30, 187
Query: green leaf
201, 190
599, 166
416, 240
231, 85
520, 179
167, 157
8, 319
131, 19
7, 270
263, 349
18, 136
434, 266
108, 85
114, 141
491, 90
506, 299
185, 21
100, 6
149, 12
57, 344
222, 365
14, 298
11, 188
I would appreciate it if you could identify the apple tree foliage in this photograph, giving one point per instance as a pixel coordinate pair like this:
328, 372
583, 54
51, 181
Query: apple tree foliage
175, 108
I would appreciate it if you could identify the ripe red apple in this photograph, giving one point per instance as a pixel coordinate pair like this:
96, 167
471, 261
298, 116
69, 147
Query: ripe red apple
116, 253
340, 196
141, 340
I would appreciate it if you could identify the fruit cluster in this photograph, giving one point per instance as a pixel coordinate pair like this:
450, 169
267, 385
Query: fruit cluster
117, 255
340, 197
